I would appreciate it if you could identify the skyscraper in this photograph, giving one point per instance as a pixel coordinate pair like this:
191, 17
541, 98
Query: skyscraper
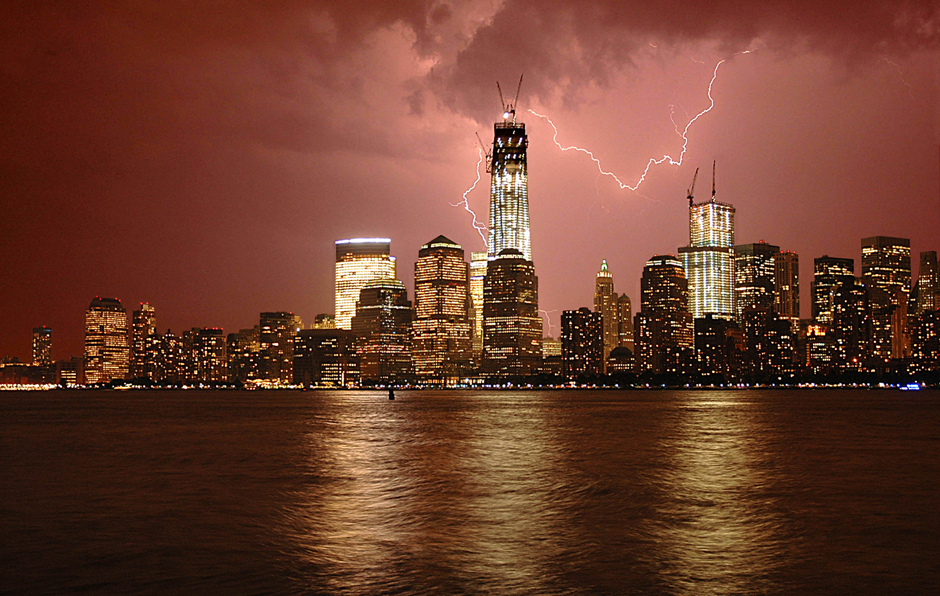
605, 304
625, 314
276, 343
359, 261
709, 259
107, 352
787, 290
478, 263
42, 346
754, 277
383, 332
512, 328
852, 324
441, 346
886, 270
143, 326
509, 188
828, 274
664, 329
325, 356
928, 283
582, 342
204, 351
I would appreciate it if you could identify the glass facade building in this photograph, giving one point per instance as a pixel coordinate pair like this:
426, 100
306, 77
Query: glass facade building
605, 304
358, 261
107, 349
709, 259
478, 263
509, 189
512, 327
754, 277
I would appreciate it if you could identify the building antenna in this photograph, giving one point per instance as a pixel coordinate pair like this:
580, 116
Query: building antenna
692, 188
713, 181
509, 109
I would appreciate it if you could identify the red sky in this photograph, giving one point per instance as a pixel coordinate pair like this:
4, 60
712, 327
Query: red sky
205, 157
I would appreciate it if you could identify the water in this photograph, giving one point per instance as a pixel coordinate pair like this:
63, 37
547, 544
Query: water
554, 492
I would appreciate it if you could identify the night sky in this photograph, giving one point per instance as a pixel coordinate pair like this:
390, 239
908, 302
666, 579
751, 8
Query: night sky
204, 157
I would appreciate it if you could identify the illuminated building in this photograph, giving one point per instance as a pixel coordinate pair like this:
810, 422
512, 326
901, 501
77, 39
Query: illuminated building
625, 315
512, 328
441, 345
582, 342
509, 189
828, 273
170, 361
768, 343
787, 290
358, 261
71, 371
107, 353
620, 361
715, 346
851, 324
204, 351
709, 259
478, 263
928, 283
143, 326
326, 357
42, 346
754, 277
926, 339
551, 347
886, 269
818, 348
605, 304
243, 350
276, 345
664, 329
324, 321
383, 332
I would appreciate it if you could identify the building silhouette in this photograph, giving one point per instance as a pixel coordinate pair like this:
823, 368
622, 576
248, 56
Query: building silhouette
928, 283
42, 346
204, 355
787, 288
442, 344
754, 277
276, 331
851, 325
143, 325
512, 328
325, 357
582, 342
243, 350
709, 259
107, 350
828, 274
886, 270
606, 304
382, 326
664, 329
358, 261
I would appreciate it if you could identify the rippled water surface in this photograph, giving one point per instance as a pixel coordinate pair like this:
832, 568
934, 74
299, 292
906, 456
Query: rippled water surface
549, 492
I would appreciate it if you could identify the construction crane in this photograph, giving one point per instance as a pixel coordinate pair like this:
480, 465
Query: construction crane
713, 181
488, 153
692, 188
509, 109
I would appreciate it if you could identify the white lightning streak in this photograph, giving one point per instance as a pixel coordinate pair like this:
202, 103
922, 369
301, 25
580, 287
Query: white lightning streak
653, 161
548, 319
478, 226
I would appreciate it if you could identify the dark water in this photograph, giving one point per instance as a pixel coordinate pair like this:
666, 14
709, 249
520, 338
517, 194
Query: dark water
643, 492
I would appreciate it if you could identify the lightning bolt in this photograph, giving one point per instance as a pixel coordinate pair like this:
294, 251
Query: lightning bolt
900, 76
478, 226
653, 161
548, 319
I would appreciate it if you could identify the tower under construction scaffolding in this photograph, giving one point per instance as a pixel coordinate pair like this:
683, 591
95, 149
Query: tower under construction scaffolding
509, 185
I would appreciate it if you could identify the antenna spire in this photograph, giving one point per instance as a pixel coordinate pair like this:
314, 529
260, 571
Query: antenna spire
713, 180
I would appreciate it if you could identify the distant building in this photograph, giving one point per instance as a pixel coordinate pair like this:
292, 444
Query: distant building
71, 371
664, 329
851, 324
42, 346
143, 326
754, 277
478, 263
787, 289
886, 270
324, 321
928, 283
512, 328
621, 360
382, 326
708, 261
828, 274
769, 344
359, 261
276, 344
326, 357
582, 342
243, 350
625, 315
551, 347
605, 304
442, 344
204, 352
107, 353
715, 347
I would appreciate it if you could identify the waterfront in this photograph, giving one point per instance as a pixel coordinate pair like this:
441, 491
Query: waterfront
542, 492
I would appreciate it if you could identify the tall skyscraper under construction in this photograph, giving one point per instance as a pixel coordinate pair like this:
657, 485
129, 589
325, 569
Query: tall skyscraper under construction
709, 258
509, 185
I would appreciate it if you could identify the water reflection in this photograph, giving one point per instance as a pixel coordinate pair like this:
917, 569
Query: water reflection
717, 528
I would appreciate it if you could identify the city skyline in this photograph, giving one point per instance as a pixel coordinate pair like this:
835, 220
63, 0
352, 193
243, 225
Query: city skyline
123, 178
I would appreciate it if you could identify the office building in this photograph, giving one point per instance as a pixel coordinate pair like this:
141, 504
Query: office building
107, 349
928, 283
886, 271
243, 350
143, 325
324, 321
276, 345
851, 324
664, 328
512, 328
204, 354
42, 346
582, 342
709, 259
509, 188
605, 304
754, 277
625, 316
442, 344
382, 326
478, 263
787, 289
828, 274
325, 357
358, 261
715, 347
